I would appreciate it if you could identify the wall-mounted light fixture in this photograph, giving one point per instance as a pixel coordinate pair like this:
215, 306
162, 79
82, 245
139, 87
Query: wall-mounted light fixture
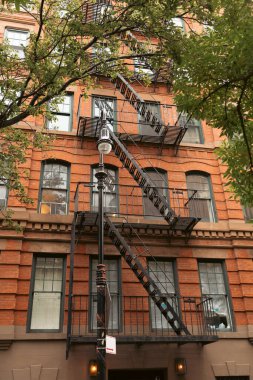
180, 366
93, 368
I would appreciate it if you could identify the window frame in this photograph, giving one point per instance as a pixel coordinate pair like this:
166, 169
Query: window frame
247, 213
57, 162
31, 291
70, 114
116, 170
17, 30
117, 259
212, 199
110, 98
227, 290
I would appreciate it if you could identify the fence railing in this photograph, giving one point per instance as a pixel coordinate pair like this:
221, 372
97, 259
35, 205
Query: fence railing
122, 200
138, 316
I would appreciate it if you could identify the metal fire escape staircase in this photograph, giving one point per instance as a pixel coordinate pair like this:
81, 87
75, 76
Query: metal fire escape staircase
145, 279
174, 221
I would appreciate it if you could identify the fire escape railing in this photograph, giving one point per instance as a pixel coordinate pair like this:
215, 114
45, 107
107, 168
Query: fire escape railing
131, 203
134, 318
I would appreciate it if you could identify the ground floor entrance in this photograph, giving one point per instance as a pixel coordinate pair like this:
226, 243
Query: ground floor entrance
136, 374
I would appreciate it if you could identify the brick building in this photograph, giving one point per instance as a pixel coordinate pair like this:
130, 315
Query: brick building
174, 243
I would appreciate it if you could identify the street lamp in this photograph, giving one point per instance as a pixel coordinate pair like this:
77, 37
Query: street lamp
104, 147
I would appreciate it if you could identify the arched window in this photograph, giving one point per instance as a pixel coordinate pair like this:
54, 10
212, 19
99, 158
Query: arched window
54, 190
110, 190
199, 188
159, 179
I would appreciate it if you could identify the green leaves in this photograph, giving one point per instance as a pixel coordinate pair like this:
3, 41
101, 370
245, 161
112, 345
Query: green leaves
215, 82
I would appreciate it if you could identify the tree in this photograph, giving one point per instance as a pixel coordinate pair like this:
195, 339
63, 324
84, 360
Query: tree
214, 81
74, 41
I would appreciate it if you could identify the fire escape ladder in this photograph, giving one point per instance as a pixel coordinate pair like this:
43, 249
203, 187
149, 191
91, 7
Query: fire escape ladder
144, 181
139, 105
145, 279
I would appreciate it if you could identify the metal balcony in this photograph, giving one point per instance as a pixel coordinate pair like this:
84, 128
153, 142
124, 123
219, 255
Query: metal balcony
129, 204
136, 319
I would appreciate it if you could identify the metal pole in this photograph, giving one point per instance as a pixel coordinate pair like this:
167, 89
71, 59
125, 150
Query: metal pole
101, 277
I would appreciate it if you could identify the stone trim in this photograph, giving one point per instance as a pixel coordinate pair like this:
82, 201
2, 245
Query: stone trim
35, 372
231, 369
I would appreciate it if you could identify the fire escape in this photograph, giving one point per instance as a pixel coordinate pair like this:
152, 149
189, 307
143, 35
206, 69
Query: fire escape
182, 319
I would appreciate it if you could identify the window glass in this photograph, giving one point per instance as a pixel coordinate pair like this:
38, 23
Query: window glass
179, 22
110, 191
193, 133
213, 285
142, 68
145, 127
63, 117
3, 195
107, 105
112, 277
201, 202
162, 273
18, 39
159, 181
54, 189
47, 293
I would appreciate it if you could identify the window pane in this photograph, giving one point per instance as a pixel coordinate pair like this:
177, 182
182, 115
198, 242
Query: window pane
62, 123
193, 134
144, 127
112, 275
110, 191
159, 182
202, 204
46, 311
213, 285
47, 293
106, 105
17, 39
162, 273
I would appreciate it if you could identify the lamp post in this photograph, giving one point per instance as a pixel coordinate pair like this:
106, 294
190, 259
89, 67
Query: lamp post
104, 147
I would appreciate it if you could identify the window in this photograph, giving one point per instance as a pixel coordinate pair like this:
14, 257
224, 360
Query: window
113, 282
199, 188
248, 213
159, 180
3, 194
162, 272
212, 280
178, 22
110, 191
18, 39
54, 188
193, 133
46, 299
107, 105
63, 117
142, 68
145, 127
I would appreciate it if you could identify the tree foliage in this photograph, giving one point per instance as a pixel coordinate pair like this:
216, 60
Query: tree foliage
214, 81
